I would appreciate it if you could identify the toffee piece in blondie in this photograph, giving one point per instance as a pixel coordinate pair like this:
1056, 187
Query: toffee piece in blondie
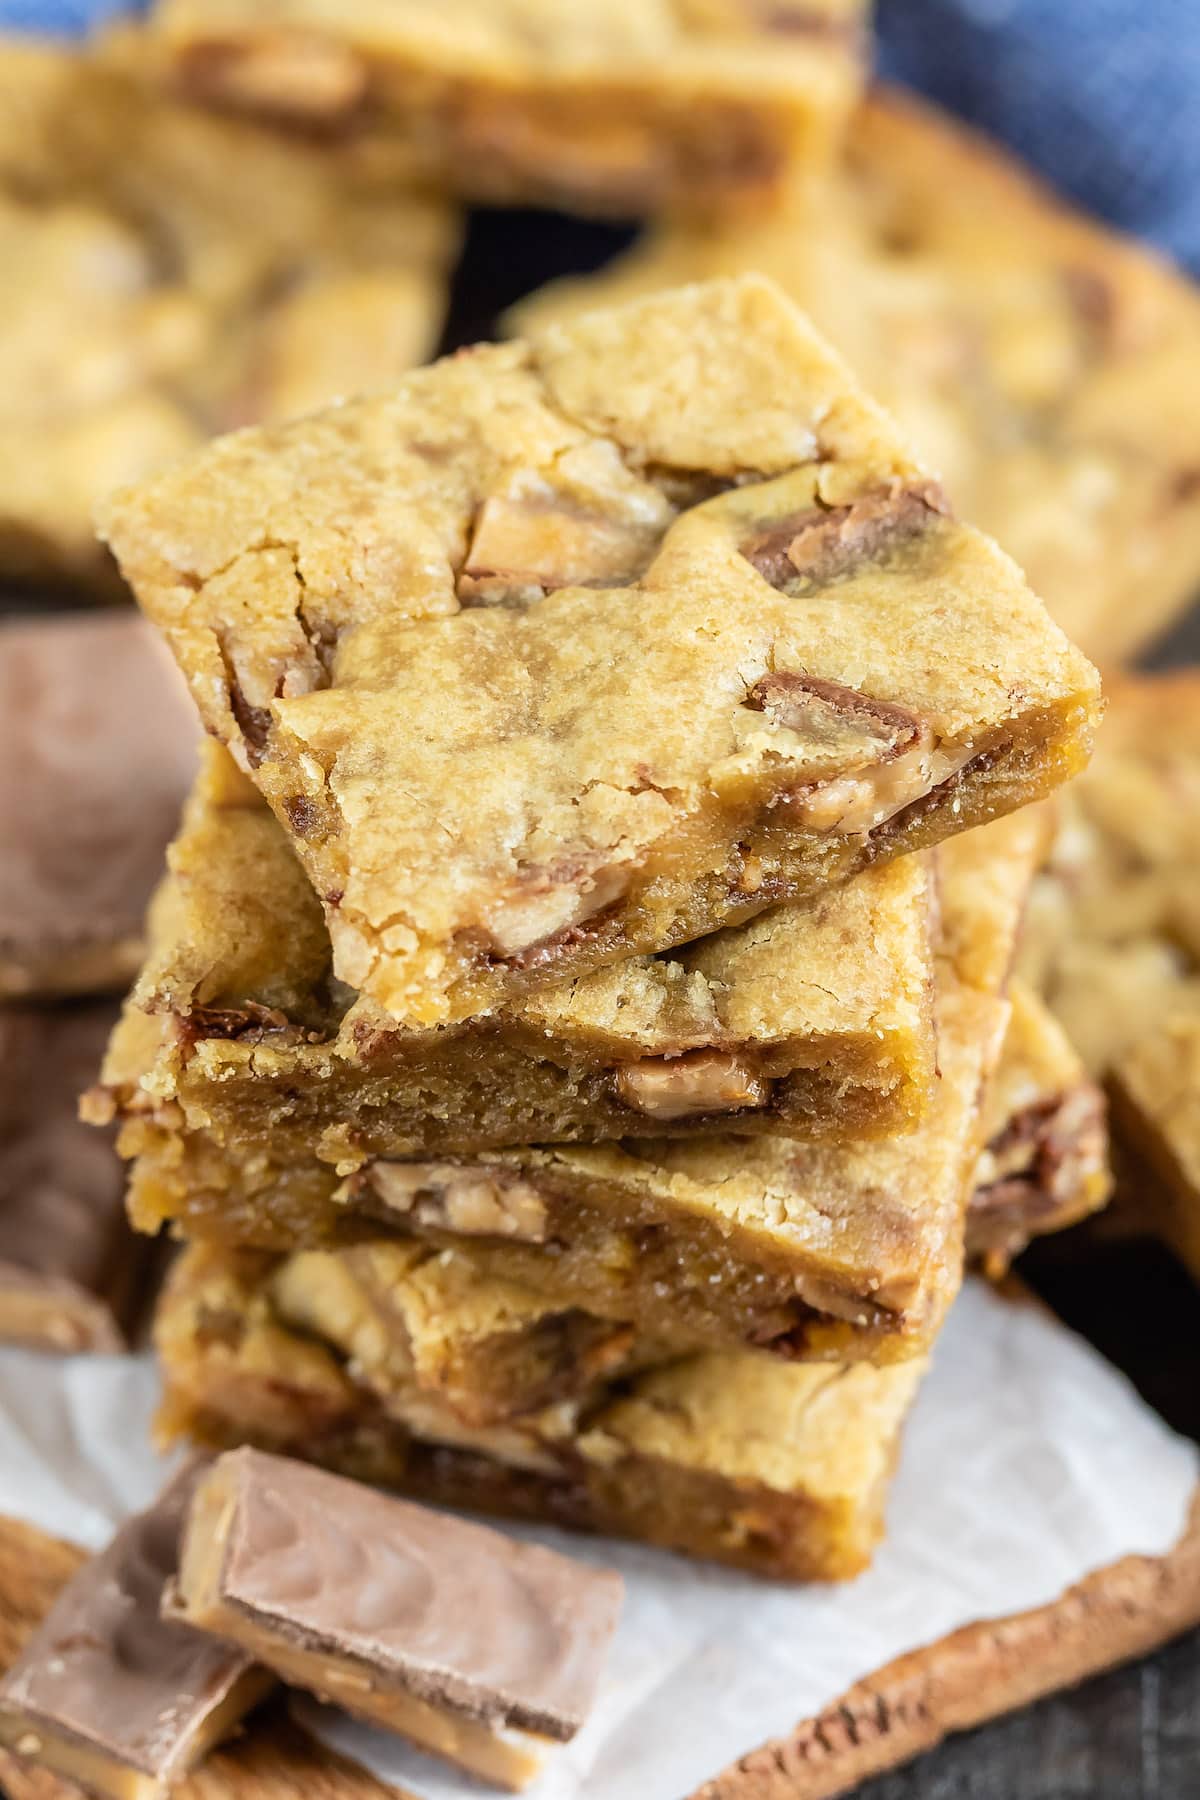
608, 106
73, 1276
1041, 361
813, 1020
1044, 1164
568, 651
810, 1250
738, 1458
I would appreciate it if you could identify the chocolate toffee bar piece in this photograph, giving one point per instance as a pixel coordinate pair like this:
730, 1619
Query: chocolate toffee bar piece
1044, 1165
109, 1694
97, 747
823, 1251
1038, 359
1114, 937
814, 1020
588, 676
476, 1647
73, 1275
620, 106
774, 1467
167, 275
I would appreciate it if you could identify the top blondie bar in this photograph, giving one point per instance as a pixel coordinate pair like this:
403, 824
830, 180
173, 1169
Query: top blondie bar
576, 649
608, 106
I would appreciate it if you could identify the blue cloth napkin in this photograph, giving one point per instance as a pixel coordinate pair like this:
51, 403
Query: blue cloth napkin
1102, 95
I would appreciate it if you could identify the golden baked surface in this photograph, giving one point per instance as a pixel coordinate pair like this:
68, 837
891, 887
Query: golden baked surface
618, 106
1044, 1164
169, 275
531, 697
1041, 363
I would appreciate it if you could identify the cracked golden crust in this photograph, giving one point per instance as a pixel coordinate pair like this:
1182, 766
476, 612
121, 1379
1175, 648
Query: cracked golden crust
489, 798
617, 106
1038, 360
172, 275
767, 1466
825, 1003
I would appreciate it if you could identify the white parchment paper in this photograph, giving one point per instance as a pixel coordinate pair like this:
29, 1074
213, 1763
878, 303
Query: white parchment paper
1028, 1462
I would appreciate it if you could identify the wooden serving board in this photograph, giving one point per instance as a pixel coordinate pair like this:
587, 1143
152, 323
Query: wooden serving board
1121, 1612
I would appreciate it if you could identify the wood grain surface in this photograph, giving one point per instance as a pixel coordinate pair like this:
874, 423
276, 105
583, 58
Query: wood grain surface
1120, 1612
272, 1760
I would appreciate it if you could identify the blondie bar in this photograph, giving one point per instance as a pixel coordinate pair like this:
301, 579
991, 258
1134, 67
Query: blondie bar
1114, 937
1040, 361
736, 1457
573, 650
814, 1020
167, 275
97, 749
830, 1251
608, 106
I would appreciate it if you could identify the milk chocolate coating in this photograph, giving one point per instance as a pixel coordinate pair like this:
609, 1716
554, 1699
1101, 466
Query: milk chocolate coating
106, 1672
456, 1614
97, 748
63, 1230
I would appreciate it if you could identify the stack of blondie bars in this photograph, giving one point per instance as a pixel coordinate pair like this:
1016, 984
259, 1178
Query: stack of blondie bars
576, 1040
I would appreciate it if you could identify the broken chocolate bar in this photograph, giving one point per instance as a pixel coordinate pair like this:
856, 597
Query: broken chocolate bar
73, 1275
98, 748
109, 1694
474, 1646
